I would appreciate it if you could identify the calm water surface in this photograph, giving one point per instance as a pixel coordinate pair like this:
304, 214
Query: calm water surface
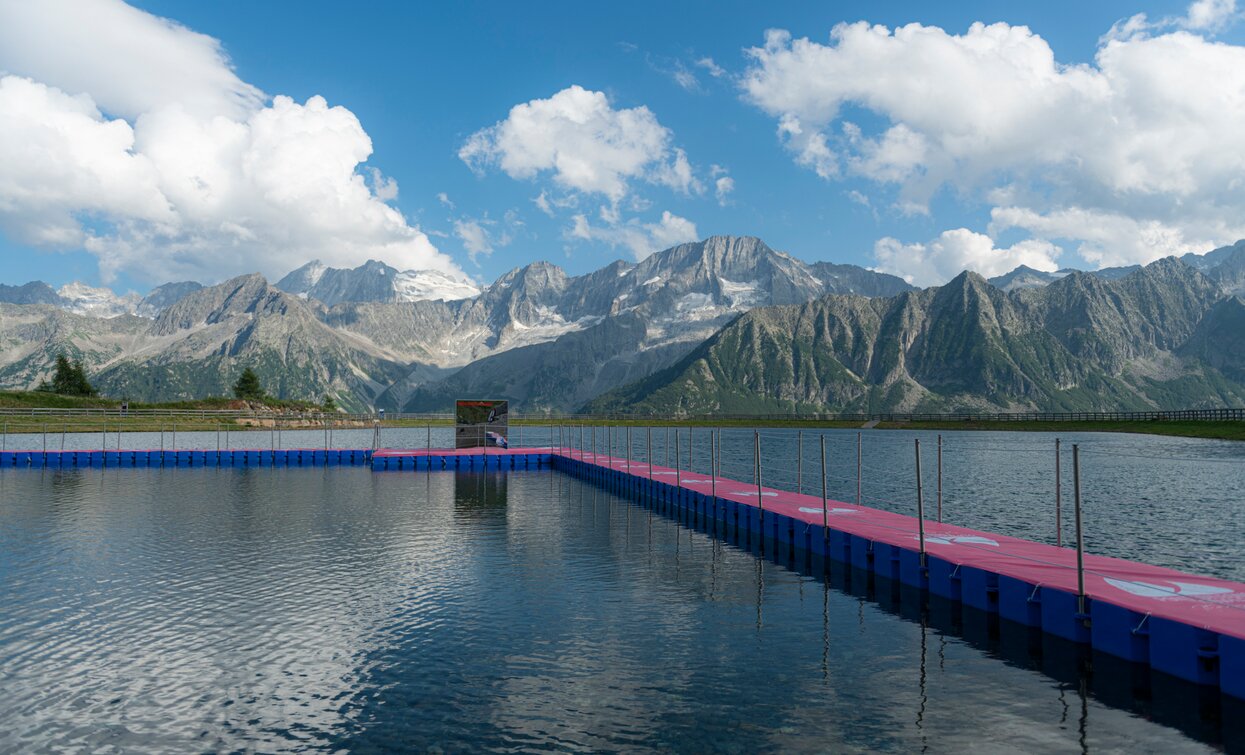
268, 609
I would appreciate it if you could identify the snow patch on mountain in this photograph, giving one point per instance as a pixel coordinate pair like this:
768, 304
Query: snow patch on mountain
430, 285
82, 299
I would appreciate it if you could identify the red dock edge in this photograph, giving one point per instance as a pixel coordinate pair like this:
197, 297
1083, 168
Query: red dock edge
1191, 627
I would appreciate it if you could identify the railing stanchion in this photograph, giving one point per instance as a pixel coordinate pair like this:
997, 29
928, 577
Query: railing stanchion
799, 461
920, 502
1080, 535
859, 449
713, 476
756, 455
1058, 497
825, 498
678, 478
650, 452
940, 478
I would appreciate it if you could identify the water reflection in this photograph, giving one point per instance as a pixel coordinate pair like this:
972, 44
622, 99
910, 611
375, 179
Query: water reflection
158, 610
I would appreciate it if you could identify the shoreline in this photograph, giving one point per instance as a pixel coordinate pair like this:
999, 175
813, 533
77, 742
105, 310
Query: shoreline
1208, 430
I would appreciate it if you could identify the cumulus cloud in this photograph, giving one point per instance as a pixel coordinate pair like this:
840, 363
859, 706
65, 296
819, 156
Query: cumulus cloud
958, 250
723, 187
1150, 131
584, 143
138, 143
642, 239
1210, 14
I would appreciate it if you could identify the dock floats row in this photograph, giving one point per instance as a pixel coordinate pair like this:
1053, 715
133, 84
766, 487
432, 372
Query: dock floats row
281, 457
1188, 626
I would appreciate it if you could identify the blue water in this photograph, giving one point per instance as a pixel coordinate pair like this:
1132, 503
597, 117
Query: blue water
1174, 502
338, 609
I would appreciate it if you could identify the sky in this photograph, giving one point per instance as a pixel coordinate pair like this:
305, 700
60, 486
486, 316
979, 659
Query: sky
161, 140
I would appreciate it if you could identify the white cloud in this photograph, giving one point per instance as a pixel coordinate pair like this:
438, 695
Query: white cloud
474, 236
129, 62
1211, 15
197, 178
445, 200
1150, 131
723, 187
385, 188
641, 238
715, 70
584, 142
958, 250
1111, 239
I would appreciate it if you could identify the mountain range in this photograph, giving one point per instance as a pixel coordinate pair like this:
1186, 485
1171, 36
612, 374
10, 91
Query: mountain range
725, 324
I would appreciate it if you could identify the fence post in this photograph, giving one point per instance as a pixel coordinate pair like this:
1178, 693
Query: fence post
667, 446
1058, 499
628, 449
429, 439
940, 478
1080, 540
920, 502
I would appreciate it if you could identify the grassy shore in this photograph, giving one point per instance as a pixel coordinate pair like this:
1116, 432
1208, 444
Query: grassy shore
291, 415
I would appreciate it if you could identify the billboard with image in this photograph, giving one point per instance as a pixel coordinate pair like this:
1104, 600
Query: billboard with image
481, 422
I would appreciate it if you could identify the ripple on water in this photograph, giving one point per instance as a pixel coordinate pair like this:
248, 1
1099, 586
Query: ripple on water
161, 610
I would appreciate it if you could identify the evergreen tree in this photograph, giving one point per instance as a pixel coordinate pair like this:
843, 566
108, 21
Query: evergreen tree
63, 379
81, 386
328, 404
70, 378
248, 386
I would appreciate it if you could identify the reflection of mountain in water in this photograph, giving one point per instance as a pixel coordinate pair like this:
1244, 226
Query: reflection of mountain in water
480, 496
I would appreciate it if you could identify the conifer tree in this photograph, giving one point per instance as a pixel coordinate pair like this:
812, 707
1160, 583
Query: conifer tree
248, 386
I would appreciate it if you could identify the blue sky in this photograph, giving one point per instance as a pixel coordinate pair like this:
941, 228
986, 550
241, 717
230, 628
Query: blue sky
423, 79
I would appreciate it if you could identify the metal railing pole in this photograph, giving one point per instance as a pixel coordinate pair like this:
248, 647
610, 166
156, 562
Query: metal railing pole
920, 502
174, 436
1058, 498
628, 449
859, 448
940, 478
713, 475
650, 452
1080, 534
678, 478
799, 461
825, 497
667, 464
756, 452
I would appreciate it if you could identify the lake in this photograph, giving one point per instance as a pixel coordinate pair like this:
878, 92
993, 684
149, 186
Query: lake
340, 609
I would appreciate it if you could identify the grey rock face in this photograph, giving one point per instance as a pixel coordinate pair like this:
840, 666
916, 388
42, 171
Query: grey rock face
1079, 343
